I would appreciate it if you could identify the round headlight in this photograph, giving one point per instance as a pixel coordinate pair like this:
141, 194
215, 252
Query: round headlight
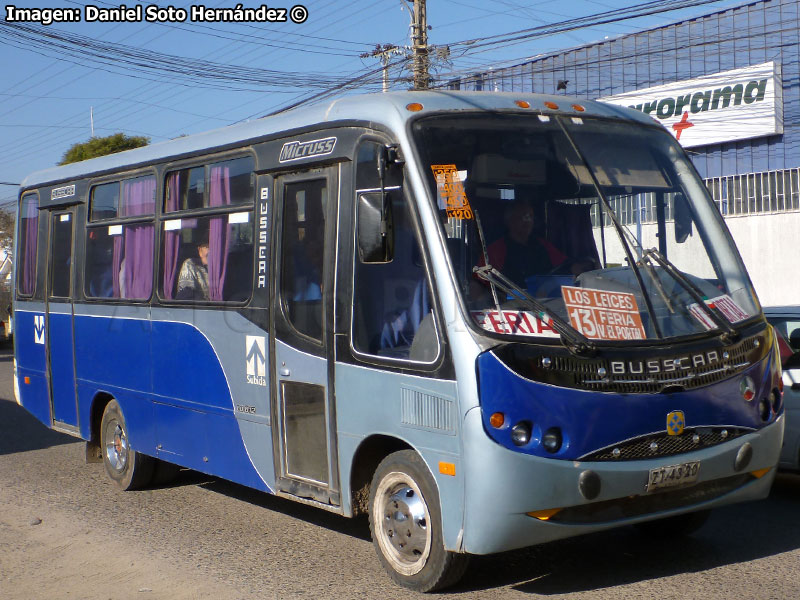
521, 433
551, 440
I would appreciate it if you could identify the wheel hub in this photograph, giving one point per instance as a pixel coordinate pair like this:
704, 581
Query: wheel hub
117, 447
405, 524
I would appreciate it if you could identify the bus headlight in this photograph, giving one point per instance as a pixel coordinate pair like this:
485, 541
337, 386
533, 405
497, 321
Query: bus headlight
521, 433
551, 440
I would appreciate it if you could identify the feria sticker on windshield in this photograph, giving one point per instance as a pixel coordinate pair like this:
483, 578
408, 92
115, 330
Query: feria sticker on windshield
726, 305
513, 322
450, 189
602, 314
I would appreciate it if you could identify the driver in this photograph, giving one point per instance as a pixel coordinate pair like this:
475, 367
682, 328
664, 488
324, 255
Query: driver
519, 253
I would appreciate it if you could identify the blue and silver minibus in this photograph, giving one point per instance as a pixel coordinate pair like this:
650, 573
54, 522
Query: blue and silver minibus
486, 320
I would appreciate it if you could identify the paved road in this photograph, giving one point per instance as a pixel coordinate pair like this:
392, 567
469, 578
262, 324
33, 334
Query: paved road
67, 532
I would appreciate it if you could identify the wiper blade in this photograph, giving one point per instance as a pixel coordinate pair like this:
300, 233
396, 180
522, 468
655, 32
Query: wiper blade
574, 340
695, 292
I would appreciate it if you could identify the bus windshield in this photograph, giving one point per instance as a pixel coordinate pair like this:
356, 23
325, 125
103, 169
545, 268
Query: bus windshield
579, 227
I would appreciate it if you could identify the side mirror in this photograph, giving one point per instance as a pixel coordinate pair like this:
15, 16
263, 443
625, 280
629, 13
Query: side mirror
375, 232
683, 218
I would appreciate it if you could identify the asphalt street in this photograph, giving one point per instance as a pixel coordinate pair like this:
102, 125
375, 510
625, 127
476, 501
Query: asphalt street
67, 532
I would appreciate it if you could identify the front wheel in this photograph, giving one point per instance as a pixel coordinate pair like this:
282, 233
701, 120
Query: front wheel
406, 525
128, 468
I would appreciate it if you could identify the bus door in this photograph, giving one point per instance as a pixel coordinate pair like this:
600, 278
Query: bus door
59, 320
303, 409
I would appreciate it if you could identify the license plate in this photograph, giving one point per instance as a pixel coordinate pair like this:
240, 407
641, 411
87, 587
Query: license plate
673, 476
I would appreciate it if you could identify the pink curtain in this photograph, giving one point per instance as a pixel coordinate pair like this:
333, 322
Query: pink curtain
219, 232
138, 198
171, 238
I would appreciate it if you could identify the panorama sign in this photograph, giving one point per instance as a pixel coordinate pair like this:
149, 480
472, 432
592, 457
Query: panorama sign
724, 107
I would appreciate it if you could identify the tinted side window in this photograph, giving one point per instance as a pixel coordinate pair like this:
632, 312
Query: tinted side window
27, 245
223, 183
61, 266
208, 258
392, 314
302, 251
119, 257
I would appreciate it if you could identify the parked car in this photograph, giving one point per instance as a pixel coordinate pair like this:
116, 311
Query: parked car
786, 321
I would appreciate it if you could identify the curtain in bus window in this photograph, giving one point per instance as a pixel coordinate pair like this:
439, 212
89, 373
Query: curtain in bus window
219, 232
30, 232
135, 278
171, 238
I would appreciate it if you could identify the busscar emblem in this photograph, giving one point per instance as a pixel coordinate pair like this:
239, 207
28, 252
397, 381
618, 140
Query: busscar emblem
676, 421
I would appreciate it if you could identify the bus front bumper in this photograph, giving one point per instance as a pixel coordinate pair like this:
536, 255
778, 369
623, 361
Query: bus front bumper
515, 500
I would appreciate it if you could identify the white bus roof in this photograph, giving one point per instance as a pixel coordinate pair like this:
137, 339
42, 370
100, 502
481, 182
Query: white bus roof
388, 109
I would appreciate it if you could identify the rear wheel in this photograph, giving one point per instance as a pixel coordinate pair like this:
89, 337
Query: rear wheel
406, 525
128, 468
677, 526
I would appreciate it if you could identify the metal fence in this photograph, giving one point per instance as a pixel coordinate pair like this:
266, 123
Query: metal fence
748, 194
756, 193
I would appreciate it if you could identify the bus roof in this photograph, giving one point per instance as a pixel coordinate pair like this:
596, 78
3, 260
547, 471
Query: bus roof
387, 109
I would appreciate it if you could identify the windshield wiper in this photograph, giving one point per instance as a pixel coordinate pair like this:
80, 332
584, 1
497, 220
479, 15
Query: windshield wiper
573, 339
576, 342
695, 292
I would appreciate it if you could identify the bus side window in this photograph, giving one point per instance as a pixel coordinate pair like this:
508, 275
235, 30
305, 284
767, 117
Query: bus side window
302, 251
27, 244
208, 258
392, 307
119, 256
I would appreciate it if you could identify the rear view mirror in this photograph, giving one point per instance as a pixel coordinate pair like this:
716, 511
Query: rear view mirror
375, 233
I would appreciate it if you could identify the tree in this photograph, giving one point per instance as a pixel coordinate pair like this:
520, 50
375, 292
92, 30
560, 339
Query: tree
100, 146
6, 232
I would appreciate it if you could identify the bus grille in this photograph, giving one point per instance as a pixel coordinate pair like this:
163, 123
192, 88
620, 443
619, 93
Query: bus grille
662, 444
597, 374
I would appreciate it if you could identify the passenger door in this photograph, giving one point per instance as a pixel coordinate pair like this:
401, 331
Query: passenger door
60, 338
303, 403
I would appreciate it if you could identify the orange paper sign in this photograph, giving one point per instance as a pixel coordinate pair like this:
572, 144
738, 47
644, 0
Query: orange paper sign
451, 189
603, 315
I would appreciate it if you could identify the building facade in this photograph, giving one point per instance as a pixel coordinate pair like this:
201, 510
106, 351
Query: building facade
678, 73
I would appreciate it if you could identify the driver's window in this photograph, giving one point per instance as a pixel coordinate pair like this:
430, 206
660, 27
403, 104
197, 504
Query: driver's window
392, 306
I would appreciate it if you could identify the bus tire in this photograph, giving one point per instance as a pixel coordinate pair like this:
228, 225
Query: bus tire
673, 527
406, 525
129, 469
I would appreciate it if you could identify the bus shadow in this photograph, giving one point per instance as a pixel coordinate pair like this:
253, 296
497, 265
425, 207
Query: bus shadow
356, 528
21, 432
733, 534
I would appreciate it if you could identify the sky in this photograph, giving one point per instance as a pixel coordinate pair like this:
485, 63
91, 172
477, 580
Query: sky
167, 79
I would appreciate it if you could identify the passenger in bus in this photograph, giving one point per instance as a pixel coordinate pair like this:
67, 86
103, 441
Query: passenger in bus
193, 276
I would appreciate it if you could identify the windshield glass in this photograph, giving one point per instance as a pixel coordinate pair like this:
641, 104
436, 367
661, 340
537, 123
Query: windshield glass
600, 226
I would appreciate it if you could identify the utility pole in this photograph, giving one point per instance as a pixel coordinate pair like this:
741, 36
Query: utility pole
419, 40
384, 52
